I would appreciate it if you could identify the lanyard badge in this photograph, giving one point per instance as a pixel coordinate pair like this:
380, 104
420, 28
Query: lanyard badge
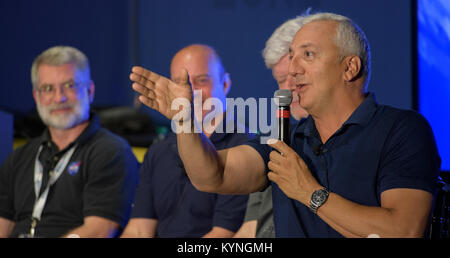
41, 199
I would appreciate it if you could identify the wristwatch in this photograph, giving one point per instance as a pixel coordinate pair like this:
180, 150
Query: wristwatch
318, 198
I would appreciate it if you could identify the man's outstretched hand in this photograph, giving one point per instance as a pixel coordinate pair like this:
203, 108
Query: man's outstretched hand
159, 93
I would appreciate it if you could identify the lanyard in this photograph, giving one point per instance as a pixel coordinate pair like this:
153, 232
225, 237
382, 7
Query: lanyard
54, 175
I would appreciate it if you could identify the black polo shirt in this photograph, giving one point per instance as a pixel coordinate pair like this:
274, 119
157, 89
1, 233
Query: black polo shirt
378, 148
99, 180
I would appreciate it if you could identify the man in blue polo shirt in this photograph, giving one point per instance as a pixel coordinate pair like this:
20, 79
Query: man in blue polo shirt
166, 203
355, 168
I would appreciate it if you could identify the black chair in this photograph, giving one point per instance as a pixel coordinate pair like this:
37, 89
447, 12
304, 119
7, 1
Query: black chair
440, 218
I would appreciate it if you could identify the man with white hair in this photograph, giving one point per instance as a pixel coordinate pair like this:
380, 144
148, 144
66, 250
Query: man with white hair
258, 221
77, 179
354, 168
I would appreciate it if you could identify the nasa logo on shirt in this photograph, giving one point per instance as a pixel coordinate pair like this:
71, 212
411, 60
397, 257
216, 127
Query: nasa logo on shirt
73, 167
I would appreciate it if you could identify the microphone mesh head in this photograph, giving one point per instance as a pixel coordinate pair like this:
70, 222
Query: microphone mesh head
283, 98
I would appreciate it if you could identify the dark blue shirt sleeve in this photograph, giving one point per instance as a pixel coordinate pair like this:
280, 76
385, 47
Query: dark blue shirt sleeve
263, 149
229, 211
410, 158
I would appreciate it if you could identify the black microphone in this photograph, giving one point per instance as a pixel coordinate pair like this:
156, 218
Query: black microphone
283, 99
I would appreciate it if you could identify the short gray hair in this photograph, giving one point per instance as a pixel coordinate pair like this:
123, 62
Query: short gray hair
350, 39
279, 42
60, 55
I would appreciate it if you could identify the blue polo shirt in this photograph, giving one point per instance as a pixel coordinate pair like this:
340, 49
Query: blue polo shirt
165, 193
378, 148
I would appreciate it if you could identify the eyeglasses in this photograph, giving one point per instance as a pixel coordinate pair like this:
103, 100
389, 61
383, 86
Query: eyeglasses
49, 90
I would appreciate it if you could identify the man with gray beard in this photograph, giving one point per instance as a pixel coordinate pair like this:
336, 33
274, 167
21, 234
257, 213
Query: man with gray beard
77, 179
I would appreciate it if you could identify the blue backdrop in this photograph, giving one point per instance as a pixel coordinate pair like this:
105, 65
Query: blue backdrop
434, 76
238, 30
101, 29
118, 34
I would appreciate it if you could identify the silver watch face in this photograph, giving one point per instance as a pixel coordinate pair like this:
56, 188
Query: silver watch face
319, 196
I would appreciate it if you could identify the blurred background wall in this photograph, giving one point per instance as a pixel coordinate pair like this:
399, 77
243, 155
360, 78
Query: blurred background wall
116, 35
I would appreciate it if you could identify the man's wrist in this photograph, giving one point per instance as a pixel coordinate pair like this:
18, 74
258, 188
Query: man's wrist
318, 198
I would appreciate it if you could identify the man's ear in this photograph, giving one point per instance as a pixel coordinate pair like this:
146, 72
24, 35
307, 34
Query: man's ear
352, 68
226, 83
91, 91
35, 95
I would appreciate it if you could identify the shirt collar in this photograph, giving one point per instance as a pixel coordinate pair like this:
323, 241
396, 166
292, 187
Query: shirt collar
365, 111
362, 116
308, 127
90, 130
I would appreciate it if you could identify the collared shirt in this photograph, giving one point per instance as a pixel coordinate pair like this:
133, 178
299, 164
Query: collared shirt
378, 148
165, 193
99, 180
